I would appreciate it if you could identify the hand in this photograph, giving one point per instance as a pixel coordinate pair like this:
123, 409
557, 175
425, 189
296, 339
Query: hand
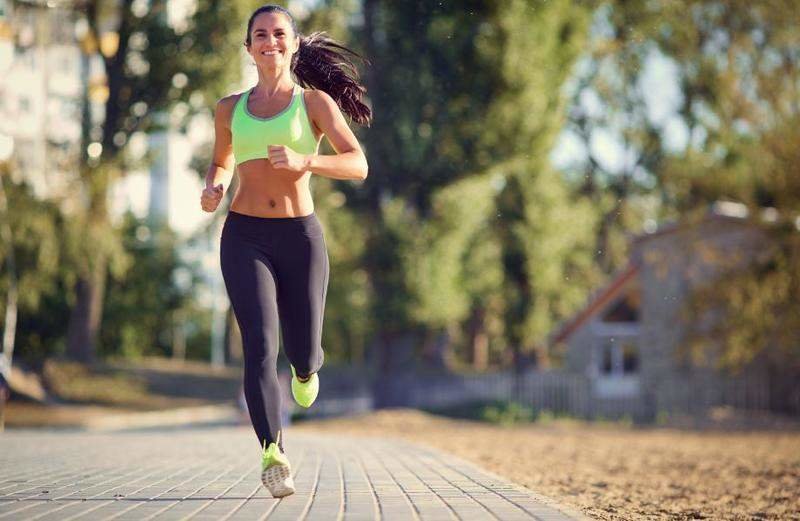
211, 197
284, 158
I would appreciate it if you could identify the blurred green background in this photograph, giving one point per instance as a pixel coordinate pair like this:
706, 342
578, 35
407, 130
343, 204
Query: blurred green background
517, 147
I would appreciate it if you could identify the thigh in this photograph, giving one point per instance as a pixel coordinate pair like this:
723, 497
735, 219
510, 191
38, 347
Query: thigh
302, 273
251, 285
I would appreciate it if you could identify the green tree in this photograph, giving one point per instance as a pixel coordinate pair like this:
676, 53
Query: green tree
32, 254
740, 71
546, 231
476, 92
609, 99
157, 72
142, 303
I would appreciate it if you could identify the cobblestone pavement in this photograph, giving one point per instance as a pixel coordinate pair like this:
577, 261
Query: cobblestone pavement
213, 474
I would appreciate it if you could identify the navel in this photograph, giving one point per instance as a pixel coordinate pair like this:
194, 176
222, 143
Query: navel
271, 203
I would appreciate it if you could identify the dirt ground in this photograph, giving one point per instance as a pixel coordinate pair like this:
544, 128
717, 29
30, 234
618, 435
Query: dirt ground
615, 472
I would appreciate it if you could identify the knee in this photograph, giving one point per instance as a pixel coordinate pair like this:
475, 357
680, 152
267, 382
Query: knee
260, 350
310, 362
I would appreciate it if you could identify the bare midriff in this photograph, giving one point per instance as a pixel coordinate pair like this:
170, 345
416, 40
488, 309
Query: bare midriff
268, 192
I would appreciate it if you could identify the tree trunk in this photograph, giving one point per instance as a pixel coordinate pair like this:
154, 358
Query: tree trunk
10, 322
178, 336
478, 339
3, 399
84, 321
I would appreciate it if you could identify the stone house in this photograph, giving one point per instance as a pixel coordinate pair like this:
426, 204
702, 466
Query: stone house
626, 339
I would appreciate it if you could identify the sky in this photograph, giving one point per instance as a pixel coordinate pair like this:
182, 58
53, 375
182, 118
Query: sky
662, 95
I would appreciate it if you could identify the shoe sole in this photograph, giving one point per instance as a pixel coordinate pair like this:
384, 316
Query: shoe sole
278, 480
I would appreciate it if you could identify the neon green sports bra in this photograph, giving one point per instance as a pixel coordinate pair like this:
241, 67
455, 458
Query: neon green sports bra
252, 135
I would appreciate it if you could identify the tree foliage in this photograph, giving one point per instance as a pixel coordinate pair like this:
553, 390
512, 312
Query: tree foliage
158, 71
737, 70
467, 113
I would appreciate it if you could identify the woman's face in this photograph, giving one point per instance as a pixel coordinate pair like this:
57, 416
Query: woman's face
272, 41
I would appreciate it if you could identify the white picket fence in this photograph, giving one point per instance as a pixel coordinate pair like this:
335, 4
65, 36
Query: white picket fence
551, 390
556, 391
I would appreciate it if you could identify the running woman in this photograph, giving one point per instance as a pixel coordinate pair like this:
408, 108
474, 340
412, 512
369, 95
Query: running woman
273, 255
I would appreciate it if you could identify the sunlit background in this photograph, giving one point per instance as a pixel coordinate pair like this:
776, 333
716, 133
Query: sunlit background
579, 231
599, 196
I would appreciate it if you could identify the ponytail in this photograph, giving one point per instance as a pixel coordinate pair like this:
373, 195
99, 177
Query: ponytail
324, 64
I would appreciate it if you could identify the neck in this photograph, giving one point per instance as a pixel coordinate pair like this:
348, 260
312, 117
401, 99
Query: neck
270, 82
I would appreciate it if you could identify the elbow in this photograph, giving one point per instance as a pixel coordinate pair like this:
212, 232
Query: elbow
221, 165
363, 170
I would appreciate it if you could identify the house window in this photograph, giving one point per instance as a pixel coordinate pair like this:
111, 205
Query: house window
626, 309
630, 358
618, 357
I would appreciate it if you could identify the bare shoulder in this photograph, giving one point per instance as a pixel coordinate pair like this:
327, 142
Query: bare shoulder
227, 103
319, 102
224, 110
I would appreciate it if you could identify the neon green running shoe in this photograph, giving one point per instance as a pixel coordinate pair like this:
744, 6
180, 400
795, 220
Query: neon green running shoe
276, 474
304, 392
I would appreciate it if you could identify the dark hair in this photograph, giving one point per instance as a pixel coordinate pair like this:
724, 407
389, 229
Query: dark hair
323, 63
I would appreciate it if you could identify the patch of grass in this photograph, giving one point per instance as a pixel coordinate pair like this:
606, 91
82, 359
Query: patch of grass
626, 420
498, 412
77, 383
509, 412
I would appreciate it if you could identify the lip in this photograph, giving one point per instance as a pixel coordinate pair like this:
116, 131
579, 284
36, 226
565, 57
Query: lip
273, 52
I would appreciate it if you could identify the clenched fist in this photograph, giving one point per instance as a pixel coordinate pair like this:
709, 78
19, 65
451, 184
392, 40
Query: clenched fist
283, 157
211, 197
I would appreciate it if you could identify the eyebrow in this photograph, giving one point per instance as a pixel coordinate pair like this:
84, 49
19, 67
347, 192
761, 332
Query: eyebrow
260, 30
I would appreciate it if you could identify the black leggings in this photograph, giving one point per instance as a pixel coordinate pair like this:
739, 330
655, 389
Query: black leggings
275, 267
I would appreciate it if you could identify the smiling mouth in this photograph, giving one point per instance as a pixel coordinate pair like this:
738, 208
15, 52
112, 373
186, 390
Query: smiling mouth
269, 53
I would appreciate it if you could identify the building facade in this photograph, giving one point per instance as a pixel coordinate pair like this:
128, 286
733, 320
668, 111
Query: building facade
628, 339
41, 87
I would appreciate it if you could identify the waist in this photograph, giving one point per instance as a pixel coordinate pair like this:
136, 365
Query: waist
264, 196
256, 226
256, 220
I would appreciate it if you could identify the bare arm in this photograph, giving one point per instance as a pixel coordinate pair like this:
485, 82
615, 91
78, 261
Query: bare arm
220, 171
349, 161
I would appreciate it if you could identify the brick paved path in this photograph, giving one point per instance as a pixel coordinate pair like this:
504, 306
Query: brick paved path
213, 474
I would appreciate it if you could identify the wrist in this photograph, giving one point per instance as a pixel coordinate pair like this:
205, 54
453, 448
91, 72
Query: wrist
308, 162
